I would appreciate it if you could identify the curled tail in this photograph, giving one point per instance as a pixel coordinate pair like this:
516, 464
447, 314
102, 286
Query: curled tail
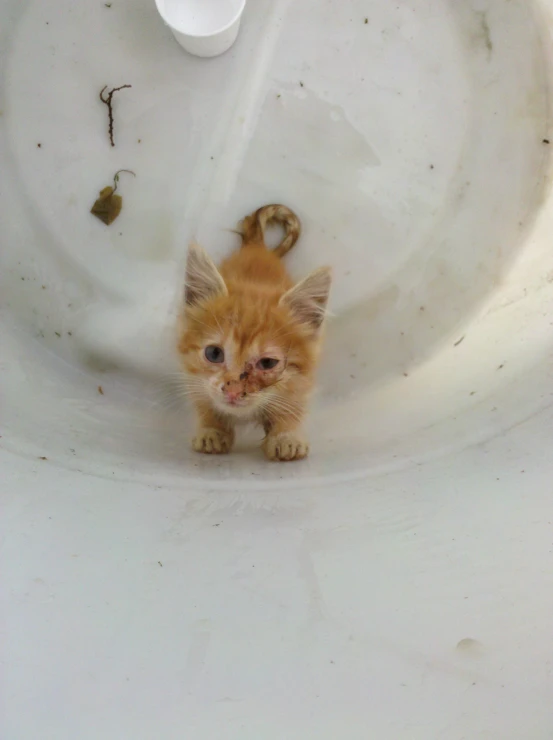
253, 227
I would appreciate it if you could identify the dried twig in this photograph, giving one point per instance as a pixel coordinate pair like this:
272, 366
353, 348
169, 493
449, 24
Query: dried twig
107, 100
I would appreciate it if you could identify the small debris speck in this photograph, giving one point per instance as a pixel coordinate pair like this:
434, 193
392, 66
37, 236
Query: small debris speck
160, 563
468, 645
100, 390
405, 375
545, 141
69, 333
39, 145
472, 393
501, 366
57, 334
140, 141
278, 95
43, 287
458, 342
431, 166
366, 21
43, 458
108, 5
301, 83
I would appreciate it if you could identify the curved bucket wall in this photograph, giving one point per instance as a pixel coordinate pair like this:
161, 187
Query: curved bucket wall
398, 583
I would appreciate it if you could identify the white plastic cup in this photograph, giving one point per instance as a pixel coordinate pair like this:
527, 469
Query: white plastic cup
205, 28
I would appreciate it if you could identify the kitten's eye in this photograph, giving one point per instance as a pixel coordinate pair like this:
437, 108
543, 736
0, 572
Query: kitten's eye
267, 363
214, 353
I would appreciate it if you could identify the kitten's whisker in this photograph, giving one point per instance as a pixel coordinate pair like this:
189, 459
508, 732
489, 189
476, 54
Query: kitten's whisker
177, 388
216, 321
283, 333
283, 406
171, 398
285, 403
207, 326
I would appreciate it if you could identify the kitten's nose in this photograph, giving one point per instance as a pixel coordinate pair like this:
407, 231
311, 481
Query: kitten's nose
233, 390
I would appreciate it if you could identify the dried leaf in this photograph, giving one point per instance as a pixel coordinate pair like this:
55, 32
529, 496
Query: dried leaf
108, 206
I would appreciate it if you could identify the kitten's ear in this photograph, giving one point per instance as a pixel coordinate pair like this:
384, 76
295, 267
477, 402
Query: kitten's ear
307, 300
203, 280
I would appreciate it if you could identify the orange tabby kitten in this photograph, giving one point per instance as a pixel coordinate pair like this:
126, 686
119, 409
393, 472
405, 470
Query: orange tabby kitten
251, 338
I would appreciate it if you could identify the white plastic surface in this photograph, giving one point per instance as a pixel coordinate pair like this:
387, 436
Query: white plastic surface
399, 583
205, 28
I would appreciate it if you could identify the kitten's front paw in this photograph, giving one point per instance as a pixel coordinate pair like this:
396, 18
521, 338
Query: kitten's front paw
285, 446
212, 441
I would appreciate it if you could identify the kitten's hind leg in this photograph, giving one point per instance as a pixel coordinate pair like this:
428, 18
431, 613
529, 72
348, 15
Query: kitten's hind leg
215, 435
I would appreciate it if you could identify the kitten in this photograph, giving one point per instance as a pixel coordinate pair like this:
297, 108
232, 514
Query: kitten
250, 339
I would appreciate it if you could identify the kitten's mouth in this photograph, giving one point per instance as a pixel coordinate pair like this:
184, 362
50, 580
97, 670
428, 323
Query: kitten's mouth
235, 403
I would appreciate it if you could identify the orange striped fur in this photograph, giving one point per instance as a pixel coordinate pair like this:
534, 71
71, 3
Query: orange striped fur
250, 339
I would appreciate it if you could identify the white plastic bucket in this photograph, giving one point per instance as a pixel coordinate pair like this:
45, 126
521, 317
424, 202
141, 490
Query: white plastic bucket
397, 584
